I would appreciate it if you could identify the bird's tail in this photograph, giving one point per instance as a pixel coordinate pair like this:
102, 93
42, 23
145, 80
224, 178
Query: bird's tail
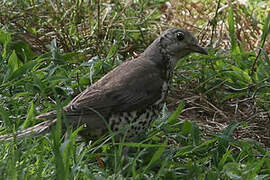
34, 131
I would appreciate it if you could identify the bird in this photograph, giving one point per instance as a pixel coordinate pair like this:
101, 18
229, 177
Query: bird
128, 97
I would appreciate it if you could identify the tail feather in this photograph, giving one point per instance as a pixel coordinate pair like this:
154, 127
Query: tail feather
34, 131
48, 115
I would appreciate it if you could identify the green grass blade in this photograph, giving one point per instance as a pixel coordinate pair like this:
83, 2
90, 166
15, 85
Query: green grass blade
231, 23
173, 118
266, 30
156, 156
30, 116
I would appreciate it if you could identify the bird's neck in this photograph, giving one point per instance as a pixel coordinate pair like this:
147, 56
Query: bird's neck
158, 54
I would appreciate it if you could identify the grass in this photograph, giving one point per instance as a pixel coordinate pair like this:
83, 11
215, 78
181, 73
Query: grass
50, 52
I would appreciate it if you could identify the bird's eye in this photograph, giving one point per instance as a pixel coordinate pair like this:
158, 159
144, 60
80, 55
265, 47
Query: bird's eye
180, 36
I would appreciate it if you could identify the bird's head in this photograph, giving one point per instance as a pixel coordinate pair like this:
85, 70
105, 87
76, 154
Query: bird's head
174, 43
178, 43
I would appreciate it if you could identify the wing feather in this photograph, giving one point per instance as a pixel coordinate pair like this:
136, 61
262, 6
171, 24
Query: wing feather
134, 84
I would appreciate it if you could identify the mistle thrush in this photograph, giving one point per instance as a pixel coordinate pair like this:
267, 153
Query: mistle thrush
131, 94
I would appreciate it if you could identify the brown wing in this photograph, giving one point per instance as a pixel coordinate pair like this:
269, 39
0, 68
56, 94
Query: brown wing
134, 84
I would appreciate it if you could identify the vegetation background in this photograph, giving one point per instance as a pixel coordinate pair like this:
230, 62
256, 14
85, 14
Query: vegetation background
216, 124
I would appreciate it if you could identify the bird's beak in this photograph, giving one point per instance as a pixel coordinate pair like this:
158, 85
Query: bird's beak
197, 48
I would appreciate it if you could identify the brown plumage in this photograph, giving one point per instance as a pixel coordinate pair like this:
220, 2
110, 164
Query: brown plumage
131, 94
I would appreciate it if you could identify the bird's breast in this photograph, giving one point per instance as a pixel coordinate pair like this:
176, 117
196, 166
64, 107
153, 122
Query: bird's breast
164, 93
